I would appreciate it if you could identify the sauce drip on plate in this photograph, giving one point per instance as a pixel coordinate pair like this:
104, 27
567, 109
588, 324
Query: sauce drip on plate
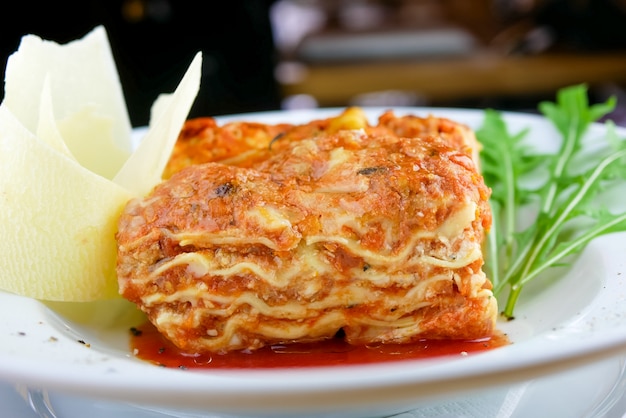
148, 344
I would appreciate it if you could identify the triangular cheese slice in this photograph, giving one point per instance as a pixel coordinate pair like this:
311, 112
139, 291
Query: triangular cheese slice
145, 166
84, 82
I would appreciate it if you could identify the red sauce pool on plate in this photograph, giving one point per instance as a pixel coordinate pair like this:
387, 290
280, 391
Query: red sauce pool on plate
148, 344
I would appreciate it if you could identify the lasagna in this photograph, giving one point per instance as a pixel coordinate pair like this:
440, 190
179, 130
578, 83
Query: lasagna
335, 227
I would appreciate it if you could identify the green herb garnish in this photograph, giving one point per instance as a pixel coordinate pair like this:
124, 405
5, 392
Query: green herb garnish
566, 200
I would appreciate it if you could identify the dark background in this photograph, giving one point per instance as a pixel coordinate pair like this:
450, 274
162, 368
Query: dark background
153, 43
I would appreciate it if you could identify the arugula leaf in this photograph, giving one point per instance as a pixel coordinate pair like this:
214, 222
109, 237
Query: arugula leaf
504, 161
567, 218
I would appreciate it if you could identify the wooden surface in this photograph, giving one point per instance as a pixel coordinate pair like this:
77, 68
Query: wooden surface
443, 80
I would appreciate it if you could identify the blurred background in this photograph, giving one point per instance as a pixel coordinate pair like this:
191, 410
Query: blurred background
284, 54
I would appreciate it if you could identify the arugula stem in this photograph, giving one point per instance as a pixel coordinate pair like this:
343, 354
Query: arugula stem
573, 246
517, 263
493, 239
511, 300
510, 207
565, 155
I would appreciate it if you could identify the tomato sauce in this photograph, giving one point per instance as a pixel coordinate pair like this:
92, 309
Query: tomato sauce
149, 345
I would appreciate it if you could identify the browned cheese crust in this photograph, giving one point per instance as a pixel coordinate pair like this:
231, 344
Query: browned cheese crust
243, 144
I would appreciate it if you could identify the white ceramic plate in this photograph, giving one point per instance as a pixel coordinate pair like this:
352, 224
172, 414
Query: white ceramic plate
592, 391
578, 317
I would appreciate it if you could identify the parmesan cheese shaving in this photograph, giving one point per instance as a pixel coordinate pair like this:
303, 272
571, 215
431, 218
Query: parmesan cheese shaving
60, 244
81, 74
143, 169
47, 128
64, 133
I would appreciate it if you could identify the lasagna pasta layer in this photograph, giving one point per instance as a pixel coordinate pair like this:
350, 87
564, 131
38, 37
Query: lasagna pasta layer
373, 234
